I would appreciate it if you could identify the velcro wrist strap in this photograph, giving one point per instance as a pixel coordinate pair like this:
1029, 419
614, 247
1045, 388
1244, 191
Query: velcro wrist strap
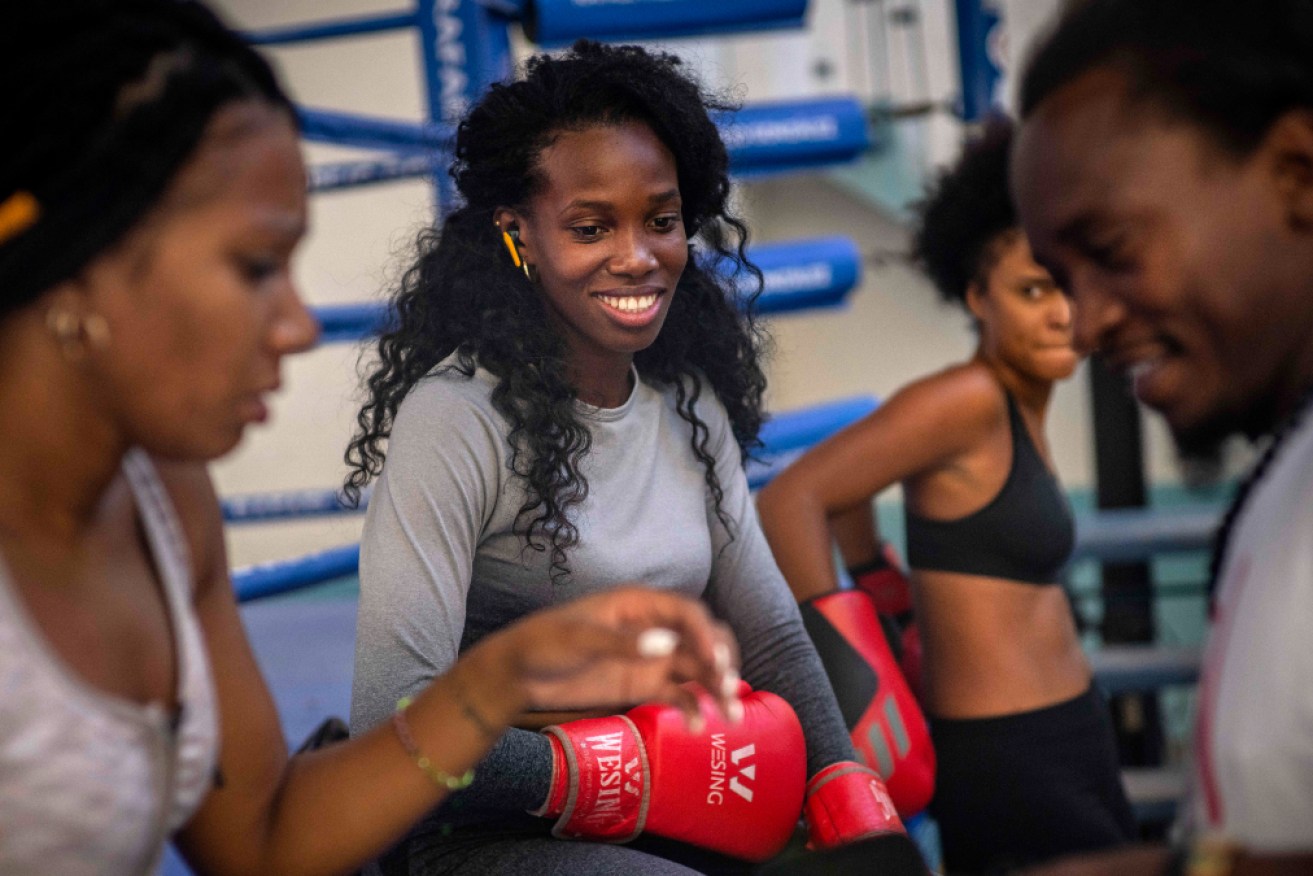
878, 564
554, 805
609, 782
847, 801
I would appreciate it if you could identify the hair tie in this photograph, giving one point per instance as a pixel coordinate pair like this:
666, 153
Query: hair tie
18, 212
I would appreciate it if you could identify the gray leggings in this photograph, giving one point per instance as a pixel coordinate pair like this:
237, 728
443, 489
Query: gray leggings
544, 856
527, 849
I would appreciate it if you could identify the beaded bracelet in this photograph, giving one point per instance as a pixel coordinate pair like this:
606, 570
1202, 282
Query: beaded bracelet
440, 778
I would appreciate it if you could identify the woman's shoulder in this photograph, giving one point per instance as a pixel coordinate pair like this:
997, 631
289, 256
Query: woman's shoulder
450, 388
965, 395
693, 384
449, 412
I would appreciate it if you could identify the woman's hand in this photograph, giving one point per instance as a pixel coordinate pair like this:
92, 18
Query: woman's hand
618, 648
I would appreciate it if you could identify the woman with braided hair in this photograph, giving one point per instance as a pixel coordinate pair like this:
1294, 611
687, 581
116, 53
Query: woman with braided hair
564, 404
151, 195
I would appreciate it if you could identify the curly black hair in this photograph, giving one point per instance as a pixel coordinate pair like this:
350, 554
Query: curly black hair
967, 214
104, 102
463, 296
1230, 69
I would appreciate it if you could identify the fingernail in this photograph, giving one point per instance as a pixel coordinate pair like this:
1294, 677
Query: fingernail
734, 711
729, 684
657, 642
697, 724
721, 654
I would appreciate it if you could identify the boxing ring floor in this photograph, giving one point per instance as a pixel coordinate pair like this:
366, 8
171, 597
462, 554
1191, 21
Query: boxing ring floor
305, 648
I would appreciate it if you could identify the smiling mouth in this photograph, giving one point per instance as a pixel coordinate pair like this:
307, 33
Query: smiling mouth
1149, 367
1142, 368
629, 303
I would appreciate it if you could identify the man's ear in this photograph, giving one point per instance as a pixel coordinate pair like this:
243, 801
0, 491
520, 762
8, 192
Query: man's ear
1289, 143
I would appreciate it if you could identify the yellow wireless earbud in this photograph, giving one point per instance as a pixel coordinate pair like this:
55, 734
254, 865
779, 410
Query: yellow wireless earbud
511, 248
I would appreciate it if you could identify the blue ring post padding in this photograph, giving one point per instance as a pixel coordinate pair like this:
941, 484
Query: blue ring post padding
805, 274
799, 275
801, 428
793, 135
324, 30
764, 138
979, 26
282, 576
786, 436
561, 21
465, 49
762, 470
351, 322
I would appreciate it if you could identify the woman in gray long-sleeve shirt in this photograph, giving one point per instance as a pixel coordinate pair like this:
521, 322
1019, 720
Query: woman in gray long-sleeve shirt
564, 405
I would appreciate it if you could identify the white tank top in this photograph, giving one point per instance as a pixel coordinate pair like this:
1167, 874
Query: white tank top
91, 783
1253, 749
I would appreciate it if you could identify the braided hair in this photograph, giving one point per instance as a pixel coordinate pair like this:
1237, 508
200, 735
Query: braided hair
463, 298
104, 102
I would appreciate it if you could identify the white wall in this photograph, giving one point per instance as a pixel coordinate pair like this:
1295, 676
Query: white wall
893, 331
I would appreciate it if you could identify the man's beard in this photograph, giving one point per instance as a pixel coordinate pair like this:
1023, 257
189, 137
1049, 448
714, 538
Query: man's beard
1200, 447
1200, 452
1201, 463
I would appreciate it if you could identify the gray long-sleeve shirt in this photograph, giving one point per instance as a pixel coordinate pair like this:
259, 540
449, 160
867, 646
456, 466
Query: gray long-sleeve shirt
441, 565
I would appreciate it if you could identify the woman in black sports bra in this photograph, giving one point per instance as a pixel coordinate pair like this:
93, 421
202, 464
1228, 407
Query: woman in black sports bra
1027, 765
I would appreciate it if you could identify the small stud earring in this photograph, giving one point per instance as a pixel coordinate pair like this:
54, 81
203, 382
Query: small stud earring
77, 334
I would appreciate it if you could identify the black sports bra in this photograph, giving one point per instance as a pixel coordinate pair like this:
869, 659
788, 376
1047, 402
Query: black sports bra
1025, 533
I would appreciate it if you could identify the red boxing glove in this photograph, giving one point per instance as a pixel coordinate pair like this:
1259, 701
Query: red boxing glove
910, 660
884, 581
883, 719
736, 789
846, 802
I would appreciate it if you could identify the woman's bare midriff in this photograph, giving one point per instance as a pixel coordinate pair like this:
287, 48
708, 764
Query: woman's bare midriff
994, 646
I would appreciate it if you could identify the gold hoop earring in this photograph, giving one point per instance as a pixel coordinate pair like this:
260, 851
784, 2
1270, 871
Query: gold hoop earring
77, 334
